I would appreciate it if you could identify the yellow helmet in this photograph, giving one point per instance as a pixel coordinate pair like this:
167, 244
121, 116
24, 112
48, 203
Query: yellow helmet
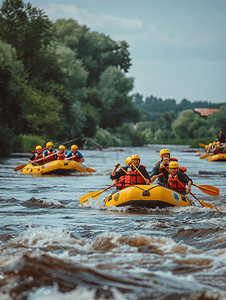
173, 165
206, 146
135, 156
214, 143
49, 144
38, 147
164, 151
61, 147
74, 147
218, 144
210, 144
128, 161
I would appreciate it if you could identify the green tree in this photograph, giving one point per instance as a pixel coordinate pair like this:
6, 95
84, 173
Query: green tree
12, 118
29, 31
218, 118
117, 104
185, 126
97, 51
43, 112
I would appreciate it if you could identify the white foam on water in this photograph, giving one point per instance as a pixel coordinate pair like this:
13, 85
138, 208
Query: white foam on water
97, 203
50, 293
80, 293
44, 237
5, 296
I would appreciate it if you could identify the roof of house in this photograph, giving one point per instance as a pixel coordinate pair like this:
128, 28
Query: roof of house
205, 111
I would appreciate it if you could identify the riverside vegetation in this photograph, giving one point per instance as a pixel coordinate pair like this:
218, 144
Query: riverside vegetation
60, 81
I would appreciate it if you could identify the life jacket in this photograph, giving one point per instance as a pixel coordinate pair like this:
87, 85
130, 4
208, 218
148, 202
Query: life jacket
133, 177
61, 156
216, 151
75, 157
174, 183
183, 169
50, 158
221, 138
38, 156
121, 182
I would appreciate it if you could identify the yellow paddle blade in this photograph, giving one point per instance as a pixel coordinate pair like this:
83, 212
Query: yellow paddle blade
198, 154
205, 204
209, 189
86, 197
204, 156
201, 145
90, 170
19, 167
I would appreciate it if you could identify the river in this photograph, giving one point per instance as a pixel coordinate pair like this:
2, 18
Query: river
53, 248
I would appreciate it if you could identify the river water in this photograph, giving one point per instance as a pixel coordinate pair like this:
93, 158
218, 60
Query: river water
53, 248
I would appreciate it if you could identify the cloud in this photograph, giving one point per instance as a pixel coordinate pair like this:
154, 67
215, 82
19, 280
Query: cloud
101, 20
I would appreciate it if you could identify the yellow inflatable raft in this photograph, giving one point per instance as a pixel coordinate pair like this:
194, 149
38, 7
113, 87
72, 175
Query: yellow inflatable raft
220, 157
59, 167
147, 196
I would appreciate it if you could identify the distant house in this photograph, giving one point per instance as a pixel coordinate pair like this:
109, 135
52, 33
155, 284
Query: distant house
204, 112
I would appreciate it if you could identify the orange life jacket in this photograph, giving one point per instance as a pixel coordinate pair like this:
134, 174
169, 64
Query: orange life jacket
38, 156
61, 156
174, 184
75, 158
121, 182
133, 177
50, 158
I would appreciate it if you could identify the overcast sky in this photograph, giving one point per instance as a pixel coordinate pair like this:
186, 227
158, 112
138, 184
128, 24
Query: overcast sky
178, 47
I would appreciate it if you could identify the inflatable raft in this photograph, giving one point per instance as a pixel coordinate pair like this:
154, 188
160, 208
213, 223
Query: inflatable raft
58, 167
220, 157
150, 196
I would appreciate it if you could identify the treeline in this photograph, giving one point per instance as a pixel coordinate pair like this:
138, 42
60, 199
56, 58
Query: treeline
59, 81
189, 128
153, 107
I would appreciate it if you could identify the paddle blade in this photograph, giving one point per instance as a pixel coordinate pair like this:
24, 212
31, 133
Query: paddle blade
198, 154
19, 167
205, 204
204, 156
201, 145
209, 189
90, 170
86, 197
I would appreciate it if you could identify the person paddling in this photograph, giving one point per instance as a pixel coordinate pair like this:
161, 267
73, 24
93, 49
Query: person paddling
165, 160
137, 174
48, 153
175, 176
75, 155
118, 177
37, 155
60, 154
221, 138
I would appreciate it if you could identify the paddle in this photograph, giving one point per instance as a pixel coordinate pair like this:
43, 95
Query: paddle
208, 189
34, 161
155, 177
201, 145
204, 204
88, 169
204, 156
139, 172
20, 167
95, 194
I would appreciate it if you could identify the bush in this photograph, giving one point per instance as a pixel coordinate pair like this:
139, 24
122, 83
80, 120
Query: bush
29, 142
